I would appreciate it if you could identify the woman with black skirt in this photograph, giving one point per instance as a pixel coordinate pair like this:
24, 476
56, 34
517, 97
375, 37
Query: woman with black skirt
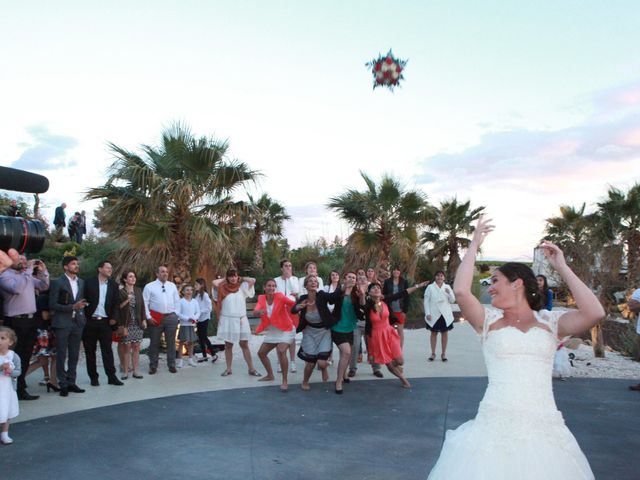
315, 324
438, 298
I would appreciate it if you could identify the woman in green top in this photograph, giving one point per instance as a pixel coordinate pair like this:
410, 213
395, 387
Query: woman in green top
342, 330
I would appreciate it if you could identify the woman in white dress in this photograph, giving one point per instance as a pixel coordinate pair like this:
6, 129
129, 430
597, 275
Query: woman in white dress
231, 310
518, 432
289, 284
438, 297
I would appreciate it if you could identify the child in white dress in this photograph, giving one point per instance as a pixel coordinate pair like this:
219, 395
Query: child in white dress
10, 369
189, 313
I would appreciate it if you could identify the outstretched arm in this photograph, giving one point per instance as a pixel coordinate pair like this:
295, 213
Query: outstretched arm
589, 311
390, 297
470, 306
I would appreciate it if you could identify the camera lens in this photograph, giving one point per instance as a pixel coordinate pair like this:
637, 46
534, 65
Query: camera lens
26, 236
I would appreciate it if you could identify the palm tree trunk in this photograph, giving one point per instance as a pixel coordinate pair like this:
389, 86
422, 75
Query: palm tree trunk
258, 260
453, 263
36, 206
597, 340
385, 257
180, 249
633, 258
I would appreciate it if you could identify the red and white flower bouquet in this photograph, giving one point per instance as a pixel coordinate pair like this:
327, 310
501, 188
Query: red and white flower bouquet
387, 70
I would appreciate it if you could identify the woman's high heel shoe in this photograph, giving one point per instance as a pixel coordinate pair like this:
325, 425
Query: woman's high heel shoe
51, 386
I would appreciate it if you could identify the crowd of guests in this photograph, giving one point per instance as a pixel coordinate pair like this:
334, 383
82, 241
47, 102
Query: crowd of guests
349, 308
46, 321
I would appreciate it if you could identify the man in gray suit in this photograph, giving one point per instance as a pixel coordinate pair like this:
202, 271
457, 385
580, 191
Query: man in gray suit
67, 304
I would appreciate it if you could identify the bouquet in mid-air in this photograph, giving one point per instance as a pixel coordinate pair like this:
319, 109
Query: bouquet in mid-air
387, 70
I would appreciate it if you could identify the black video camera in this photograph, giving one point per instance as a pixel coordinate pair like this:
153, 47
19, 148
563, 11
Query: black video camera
26, 236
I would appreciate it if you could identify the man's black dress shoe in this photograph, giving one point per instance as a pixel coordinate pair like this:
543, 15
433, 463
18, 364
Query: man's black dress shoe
26, 396
172, 369
64, 392
95, 383
115, 381
75, 389
152, 370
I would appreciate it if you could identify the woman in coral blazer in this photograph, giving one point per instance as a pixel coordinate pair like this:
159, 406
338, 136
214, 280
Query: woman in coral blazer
273, 309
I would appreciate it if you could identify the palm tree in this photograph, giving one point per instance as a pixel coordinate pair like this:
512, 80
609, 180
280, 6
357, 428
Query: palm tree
582, 239
172, 203
266, 217
620, 214
451, 225
382, 216
571, 231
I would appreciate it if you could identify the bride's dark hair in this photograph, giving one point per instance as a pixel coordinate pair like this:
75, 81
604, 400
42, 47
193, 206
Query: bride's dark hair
513, 271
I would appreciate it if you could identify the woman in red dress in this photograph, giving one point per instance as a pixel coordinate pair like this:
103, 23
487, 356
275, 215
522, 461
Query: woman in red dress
384, 341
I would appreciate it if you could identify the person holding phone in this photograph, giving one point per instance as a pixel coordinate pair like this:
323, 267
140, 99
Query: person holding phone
18, 287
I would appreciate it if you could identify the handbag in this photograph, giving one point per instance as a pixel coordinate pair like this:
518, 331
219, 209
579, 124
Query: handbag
122, 331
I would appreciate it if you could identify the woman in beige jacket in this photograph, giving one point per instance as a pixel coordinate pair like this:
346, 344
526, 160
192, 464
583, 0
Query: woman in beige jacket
438, 297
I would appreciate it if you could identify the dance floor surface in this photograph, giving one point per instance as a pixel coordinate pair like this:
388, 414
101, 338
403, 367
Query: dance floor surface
376, 430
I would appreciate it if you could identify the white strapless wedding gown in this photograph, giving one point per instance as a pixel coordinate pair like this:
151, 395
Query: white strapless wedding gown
518, 432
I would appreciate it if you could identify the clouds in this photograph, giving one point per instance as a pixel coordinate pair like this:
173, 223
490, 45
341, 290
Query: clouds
510, 157
312, 221
616, 100
47, 151
523, 175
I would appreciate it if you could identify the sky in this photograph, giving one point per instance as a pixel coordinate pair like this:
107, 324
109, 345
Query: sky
517, 106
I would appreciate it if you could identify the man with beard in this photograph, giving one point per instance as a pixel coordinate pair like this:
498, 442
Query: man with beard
66, 301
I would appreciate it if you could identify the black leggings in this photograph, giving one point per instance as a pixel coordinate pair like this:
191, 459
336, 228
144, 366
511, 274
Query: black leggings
203, 340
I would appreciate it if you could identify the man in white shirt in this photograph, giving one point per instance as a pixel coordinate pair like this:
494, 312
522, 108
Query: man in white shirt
161, 302
288, 284
101, 292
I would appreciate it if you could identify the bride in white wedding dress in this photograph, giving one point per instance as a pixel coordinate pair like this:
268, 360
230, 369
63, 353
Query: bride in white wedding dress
518, 433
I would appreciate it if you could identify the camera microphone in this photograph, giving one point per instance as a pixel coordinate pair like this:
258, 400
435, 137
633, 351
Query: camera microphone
21, 181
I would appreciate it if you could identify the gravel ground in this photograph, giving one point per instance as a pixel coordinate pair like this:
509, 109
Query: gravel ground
613, 365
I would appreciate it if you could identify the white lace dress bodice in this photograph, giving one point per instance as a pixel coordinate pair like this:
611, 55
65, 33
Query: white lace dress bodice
518, 431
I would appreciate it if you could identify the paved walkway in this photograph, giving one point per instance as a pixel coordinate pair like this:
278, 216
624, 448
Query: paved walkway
197, 424
465, 359
375, 431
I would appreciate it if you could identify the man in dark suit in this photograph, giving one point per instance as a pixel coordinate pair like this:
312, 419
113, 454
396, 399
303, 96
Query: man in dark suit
66, 301
101, 293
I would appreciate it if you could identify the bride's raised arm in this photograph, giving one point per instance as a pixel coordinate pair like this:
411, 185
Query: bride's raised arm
470, 306
589, 311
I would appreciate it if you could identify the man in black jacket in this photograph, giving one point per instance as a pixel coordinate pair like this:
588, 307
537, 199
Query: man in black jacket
67, 303
101, 294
